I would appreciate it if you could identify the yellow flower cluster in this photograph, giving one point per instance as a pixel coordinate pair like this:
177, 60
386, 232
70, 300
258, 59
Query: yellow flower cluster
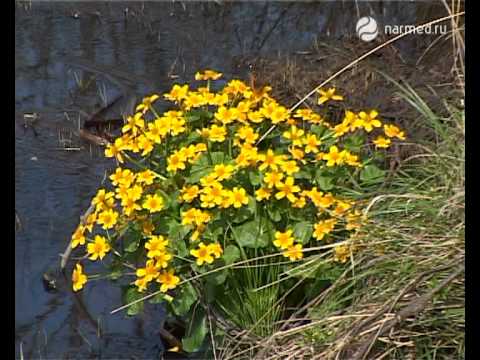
207, 253
285, 241
178, 153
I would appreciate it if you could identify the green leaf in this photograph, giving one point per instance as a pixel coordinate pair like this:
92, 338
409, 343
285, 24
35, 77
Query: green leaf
371, 174
231, 254
318, 130
157, 299
245, 212
213, 231
303, 231
132, 240
131, 294
354, 143
324, 179
274, 213
184, 299
255, 177
254, 234
303, 174
219, 158
217, 277
198, 330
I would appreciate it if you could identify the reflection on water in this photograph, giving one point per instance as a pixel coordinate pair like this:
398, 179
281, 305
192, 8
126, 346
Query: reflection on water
130, 48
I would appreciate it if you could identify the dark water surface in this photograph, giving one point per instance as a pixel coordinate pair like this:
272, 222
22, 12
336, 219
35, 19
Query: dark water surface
129, 49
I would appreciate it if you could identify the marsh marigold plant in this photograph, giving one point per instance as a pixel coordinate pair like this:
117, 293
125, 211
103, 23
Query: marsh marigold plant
198, 187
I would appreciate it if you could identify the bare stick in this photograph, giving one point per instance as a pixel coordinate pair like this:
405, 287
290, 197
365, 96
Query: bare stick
68, 250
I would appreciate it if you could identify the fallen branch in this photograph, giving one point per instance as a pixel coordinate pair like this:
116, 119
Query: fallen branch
66, 254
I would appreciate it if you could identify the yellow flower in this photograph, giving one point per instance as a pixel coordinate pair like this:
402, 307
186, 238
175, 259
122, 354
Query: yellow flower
145, 144
238, 197
189, 216
294, 252
115, 150
297, 154
196, 234
168, 279
147, 103
311, 144
341, 208
78, 237
122, 177
215, 249
134, 193
300, 202
155, 246
323, 228
352, 159
226, 115
91, 220
189, 153
287, 189
279, 114
368, 121
189, 193
78, 278
218, 100
146, 177
223, 172
202, 254
333, 157
255, 116
98, 249
381, 142
304, 114
393, 131
141, 284
208, 75
217, 133
107, 219
294, 135
177, 126
194, 100
162, 259
290, 167
147, 227
328, 95
153, 203
155, 132
134, 124
283, 240
212, 195
149, 272
269, 160
177, 93
175, 162
341, 253
247, 134
263, 193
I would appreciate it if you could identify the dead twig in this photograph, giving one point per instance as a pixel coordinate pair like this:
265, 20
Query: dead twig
66, 254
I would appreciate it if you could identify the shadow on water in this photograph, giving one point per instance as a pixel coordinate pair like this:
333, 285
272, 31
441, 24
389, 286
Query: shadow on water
71, 60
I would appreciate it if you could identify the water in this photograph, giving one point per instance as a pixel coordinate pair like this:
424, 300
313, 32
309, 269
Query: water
135, 49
